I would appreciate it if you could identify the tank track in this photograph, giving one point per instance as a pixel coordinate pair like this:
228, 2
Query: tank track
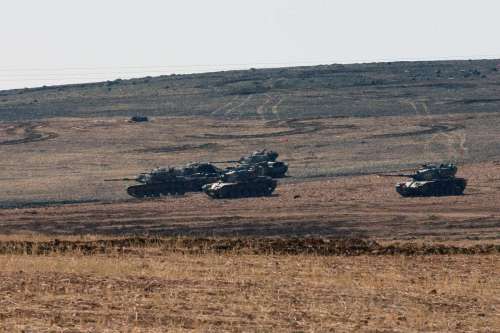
176, 187
155, 190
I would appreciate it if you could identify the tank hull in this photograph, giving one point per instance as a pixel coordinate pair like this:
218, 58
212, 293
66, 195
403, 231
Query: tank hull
440, 187
223, 190
174, 187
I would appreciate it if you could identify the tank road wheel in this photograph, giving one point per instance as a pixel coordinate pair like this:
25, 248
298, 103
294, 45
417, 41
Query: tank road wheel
458, 190
227, 194
427, 191
136, 192
448, 189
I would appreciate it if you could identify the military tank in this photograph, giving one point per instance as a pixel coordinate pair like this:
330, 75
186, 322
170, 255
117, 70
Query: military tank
159, 181
172, 181
240, 184
264, 162
432, 180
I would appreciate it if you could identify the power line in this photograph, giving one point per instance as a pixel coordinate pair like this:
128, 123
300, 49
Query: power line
254, 64
58, 76
160, 66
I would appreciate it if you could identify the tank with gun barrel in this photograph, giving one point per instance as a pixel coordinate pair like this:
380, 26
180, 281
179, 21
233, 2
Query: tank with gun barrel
240, 184
172, 181
264, 162
431, 180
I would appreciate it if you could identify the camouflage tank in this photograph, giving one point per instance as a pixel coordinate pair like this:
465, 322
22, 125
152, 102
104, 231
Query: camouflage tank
160, 181
432, 180
172, 181
264, 162
241, 184
259, 156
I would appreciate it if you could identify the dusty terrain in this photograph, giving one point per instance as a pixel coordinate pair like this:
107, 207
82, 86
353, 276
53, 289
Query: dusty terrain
362, 206
334, 189
376, 89
335, 247
153, 292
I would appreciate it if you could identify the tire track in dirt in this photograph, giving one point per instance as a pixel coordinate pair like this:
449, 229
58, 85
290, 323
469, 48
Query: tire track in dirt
237, 107
225, 106
439, 128
271, 105
296, 127
261, 108
429, 143
453, 139
447, 131
177, 148
274, 108
31, 134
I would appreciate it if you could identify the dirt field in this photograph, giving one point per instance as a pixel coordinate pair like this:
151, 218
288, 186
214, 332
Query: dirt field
335, 248
68, 159
362, 206
334, 189
151, 291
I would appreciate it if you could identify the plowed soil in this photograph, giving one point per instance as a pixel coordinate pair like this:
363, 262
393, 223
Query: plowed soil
144, 292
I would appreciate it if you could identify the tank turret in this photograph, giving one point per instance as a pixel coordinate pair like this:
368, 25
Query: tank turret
259, 156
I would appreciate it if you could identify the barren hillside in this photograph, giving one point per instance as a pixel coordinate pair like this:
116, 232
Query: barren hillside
376, 89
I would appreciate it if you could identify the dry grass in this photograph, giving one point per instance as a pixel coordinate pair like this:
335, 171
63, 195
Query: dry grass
146, 292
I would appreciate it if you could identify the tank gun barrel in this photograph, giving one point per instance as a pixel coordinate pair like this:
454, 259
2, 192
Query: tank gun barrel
229, 161
120, 180
397, 175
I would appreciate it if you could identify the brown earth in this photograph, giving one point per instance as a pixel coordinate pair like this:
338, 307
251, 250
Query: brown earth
334, 249
147, 291
334, 189
247, 245
360, 206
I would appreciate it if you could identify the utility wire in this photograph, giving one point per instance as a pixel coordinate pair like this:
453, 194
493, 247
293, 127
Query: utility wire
254, 64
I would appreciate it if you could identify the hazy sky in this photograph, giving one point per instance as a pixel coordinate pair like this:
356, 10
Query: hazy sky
62, 41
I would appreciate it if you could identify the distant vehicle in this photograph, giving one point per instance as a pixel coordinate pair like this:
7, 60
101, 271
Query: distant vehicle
240, 184
432, 180
172, 181
138, 119
251, 177
160, 181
